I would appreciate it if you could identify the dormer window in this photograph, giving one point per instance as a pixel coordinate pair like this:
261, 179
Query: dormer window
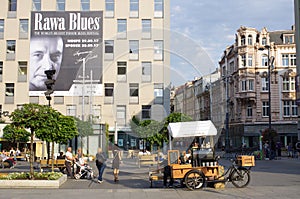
288, 39
264, 41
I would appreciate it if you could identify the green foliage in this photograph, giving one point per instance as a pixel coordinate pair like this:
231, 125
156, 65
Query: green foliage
84, 128
147, 129
154, 131
44, 122
60, 128
269, 135
174, 117
106, 130
30, 116
37, 176
15, 134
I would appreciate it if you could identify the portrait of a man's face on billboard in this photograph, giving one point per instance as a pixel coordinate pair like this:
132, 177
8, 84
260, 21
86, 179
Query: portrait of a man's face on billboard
69, 43
45, 54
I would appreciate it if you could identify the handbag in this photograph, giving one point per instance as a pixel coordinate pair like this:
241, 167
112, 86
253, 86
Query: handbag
98, 163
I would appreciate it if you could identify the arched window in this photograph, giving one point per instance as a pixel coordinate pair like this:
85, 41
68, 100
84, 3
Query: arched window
264, 41
250, 40
243, 40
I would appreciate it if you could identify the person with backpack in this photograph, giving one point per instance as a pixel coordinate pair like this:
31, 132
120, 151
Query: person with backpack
100, 163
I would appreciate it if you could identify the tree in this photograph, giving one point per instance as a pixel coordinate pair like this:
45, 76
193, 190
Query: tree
84, 128
154, 131
45, 122
174, 117
149, 130
60, 130
269, 135
15, 134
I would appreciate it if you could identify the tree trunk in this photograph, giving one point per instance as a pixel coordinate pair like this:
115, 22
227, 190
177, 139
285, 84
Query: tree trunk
31, 156
81, 142
52, 155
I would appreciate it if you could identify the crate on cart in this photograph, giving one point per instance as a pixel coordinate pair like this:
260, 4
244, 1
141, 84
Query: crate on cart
246, 160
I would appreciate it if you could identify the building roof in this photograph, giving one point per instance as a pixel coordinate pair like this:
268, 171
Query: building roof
277, 36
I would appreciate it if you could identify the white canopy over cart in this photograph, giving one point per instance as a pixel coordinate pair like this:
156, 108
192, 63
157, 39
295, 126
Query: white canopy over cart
191, 129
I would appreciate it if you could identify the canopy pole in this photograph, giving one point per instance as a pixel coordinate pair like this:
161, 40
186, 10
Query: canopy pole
170, 141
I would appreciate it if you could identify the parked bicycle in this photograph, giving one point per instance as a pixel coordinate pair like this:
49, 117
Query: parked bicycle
237, 174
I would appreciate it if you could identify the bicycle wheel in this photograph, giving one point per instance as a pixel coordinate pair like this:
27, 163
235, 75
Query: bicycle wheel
194, 179
240, 178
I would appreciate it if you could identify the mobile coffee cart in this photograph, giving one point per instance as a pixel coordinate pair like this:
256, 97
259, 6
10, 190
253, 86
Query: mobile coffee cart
204, 167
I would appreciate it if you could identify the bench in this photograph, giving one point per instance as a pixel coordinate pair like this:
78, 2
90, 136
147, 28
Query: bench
59, 163
21, 156
132, 153
147, 160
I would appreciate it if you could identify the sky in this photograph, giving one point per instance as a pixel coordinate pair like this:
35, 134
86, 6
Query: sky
202, 29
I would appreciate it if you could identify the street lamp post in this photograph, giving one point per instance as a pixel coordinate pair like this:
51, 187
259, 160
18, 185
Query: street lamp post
269, 88
270, 63
227, 141
89, 56
49, 85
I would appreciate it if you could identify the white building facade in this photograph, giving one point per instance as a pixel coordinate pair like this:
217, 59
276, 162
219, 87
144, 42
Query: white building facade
128, 74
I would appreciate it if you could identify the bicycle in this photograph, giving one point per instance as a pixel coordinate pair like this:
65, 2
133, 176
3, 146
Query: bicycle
237, 174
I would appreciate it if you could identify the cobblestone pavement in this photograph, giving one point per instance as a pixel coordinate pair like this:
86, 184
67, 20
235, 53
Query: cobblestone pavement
269, 179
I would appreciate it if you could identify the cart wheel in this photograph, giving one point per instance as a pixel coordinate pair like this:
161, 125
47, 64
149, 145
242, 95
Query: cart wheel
240, 178
194, 179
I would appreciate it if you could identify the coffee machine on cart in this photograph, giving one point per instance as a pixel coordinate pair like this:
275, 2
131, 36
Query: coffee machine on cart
198, 138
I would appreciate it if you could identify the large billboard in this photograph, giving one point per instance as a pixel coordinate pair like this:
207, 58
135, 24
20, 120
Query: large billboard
71, 44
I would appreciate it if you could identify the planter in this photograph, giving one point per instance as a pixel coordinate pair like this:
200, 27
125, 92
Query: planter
33, 183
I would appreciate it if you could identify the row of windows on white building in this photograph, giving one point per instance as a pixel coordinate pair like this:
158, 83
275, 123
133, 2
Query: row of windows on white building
85, 6
288, 84
290, 109
287, 39
120, 112
287, 59
146, 29
95, 112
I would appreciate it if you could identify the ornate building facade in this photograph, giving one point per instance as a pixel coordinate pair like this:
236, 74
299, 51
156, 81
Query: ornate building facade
245, 67
237, 98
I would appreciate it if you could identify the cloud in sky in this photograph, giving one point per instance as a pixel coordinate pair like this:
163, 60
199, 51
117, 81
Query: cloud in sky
201, 30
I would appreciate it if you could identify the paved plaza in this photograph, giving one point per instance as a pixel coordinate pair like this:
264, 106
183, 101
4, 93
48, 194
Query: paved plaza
269, 179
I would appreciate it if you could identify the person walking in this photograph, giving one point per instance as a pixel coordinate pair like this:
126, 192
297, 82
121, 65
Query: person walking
116, 164
290, 150
100, 163
68, 161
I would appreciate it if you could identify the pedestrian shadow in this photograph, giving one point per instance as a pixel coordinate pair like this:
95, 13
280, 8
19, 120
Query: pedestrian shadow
128, 180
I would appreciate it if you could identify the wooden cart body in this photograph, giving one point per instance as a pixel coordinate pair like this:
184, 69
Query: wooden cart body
179, 171
205, 167
214, 173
